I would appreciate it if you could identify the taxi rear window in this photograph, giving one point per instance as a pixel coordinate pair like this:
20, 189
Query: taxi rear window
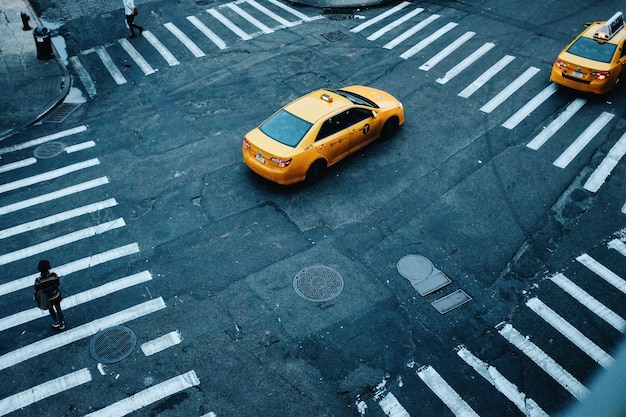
286, 128
591, 49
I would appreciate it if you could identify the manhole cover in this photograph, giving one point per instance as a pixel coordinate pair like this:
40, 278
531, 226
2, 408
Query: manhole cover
335, 36
48, 150
415, 268
318, 283
113, 344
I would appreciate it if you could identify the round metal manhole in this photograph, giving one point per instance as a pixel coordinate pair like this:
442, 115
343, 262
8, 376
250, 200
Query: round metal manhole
318, 283
48, 150
113, 344
414, 267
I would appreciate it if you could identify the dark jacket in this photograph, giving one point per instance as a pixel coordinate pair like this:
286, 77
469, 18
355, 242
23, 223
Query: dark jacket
50, 285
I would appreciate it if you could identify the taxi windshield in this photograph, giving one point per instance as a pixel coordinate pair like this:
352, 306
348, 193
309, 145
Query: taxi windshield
591, 49
285, 128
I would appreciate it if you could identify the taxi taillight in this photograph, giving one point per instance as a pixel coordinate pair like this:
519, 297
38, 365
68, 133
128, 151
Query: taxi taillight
280, 162
601, 75
560, 63
246, 144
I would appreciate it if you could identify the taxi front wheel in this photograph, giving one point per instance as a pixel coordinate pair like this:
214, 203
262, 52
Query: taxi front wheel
316, 171
390, 128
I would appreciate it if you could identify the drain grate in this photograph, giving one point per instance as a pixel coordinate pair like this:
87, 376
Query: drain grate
113, 344
318, 283
62, 112
48, 150
335, 36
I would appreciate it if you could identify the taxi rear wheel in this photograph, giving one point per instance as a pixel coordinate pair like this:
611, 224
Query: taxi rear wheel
390, 128
316, 171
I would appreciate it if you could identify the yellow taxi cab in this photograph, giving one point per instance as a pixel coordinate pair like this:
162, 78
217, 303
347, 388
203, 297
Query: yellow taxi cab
313, 132
593, 62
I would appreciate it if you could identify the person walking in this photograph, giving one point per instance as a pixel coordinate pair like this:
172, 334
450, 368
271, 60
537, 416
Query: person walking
131, 11
49, 283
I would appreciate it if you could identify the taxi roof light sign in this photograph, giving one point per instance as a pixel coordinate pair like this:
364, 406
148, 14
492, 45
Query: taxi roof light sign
610, 27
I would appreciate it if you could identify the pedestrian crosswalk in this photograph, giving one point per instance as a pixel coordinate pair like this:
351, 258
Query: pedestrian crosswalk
553, 308
44, 218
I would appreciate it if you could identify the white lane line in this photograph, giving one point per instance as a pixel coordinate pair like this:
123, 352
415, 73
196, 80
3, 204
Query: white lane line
230, 25
72, 267
293, 11
17, 165
148, 396
81, 332
610, 161
110, 65
56, 218
53, 196
486, 76
44, 139
556, 124
249, 18
570, 332
207, 32
603, 272
589, 302
43, 391
617, 245
583, 140
528, 108
545, 362
195, 49
271, 14
391, 407
380, 17
161, 343
60, 241
80, 146
464, 64
394, 24
161, 49
509, 90
136, 56
76, 299
46, 176
440, 387
428, 40
525, 404
445, 52
83, 75
407, 34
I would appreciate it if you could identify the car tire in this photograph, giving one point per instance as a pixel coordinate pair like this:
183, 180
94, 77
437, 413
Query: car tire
316, 171
390, 128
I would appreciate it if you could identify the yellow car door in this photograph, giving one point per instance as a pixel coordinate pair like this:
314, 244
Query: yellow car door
364, 127
333, 139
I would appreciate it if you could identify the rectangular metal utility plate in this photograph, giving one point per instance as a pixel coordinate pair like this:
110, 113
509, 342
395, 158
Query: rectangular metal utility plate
451, 301
431, 284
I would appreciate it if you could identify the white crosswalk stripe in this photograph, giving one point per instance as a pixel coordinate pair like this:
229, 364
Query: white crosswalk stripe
554, 127
510, 89
583, 140
486, 76
445, 392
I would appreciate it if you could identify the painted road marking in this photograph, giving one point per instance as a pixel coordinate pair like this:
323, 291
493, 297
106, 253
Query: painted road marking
110, 65
440, 387
486, 76
509, 90
81, 332
43, 391
391, 407
230, 25
583, 140
19, 164
528, 108
136, 56
249, 18
556, 124
600, 174
618, 245
148, 396
570, 332
44, 139
268, 12
80, 146
407, 34
207, 32
428, 40
76, 299
161, 343
54, 195
195, 49
525, 404
603, 272
545, 362
72, 267
161, 49
445, 52
589, 302
294, 12
461, 66
56, 218
380, 17
83, 75
60, 241
394, 24
48, 175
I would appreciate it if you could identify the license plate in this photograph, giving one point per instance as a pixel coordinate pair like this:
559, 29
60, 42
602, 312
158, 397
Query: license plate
577, 74
260, 158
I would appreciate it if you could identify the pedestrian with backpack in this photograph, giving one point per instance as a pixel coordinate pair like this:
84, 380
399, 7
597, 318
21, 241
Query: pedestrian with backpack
47, 286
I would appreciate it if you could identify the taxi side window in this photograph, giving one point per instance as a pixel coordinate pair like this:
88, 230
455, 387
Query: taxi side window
623, 48
357, 115
333, 125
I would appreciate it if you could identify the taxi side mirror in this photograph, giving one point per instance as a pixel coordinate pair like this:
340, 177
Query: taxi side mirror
374, 114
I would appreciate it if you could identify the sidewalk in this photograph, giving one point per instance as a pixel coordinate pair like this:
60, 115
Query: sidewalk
31, 87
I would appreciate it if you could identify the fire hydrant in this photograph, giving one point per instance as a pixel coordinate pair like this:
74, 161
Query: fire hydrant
25, 19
